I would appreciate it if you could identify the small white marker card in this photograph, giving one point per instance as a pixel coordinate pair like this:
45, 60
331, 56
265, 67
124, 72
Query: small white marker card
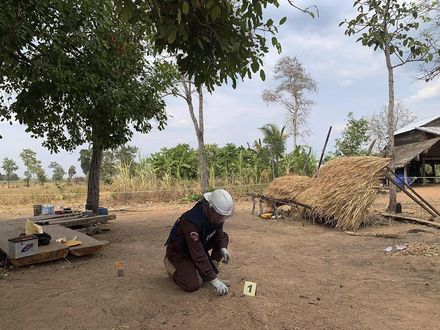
250, 288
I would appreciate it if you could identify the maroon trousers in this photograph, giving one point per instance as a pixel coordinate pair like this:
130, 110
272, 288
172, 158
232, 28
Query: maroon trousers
186, 275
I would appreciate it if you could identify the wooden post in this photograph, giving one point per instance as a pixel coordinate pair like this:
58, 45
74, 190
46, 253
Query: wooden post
405, 173
437, 178
423, 169
323, 150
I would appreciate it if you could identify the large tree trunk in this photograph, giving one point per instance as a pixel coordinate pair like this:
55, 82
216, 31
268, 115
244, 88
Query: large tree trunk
199, 128
93, 181
390, 149
295, 123
203, 162
203, 167
295, 133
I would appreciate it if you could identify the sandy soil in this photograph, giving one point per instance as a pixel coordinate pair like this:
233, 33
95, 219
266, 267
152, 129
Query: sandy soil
308, 277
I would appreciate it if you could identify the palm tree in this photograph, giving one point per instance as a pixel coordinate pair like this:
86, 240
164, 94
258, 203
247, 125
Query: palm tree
275, 141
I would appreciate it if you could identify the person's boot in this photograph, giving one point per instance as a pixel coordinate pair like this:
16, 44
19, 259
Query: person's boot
169, 267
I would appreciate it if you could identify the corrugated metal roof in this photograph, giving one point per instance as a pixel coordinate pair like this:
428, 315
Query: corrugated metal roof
407, 152
415, 125
432, 130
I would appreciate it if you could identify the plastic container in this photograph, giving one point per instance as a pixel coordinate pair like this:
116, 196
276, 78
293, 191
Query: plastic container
48, 209
400, 180
37, 209
102, 211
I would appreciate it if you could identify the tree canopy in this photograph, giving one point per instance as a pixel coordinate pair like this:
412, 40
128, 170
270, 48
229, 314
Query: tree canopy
274, 141
214, 41
80, 70
9, 166
353, 138
378, 123
389, 25
294, 83
83, 77
57, 171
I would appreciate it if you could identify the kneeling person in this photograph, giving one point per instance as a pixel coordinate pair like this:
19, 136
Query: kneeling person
194, 234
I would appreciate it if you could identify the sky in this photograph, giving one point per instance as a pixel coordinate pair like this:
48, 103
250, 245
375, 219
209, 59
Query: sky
350, 78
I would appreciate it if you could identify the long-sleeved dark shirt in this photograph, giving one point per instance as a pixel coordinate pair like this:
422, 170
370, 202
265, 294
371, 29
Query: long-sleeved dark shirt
194, 248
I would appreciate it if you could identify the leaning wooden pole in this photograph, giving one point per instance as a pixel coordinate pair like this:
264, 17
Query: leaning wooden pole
414, 220
412, 197
415, 192
282, 202
323, 150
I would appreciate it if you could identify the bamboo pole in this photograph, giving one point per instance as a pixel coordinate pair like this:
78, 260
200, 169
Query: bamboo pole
383, 235
415, 220
290, 202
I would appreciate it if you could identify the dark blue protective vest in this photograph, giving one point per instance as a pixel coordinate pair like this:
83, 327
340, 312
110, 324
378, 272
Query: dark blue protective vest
206, 230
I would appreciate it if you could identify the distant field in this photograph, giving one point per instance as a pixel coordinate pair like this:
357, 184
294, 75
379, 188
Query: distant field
18, 199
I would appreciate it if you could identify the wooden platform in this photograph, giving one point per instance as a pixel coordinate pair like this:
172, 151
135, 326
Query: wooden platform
89, 245
53, 251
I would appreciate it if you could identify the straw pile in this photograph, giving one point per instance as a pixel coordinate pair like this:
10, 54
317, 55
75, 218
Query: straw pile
288, 187
343, 190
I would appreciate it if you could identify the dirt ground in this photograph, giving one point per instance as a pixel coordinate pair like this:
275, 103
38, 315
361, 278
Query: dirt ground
308, 277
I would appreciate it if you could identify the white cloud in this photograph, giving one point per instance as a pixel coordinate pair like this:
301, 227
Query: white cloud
427, 91
183, 122
332, 55
346, 82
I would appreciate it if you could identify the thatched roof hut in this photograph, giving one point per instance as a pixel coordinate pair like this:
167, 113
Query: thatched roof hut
343, 190
341, 193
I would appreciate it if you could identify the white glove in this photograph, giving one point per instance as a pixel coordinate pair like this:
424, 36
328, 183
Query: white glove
220, 288
225, 255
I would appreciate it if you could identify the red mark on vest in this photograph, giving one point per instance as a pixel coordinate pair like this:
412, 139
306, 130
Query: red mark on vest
194, 236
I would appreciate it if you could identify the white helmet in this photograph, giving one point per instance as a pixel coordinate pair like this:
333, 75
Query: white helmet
221, 201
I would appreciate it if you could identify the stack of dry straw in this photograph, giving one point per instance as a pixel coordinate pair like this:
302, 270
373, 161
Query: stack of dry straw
288, 187
340, 195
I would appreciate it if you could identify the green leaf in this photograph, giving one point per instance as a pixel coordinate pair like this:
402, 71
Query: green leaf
255, 67
199, 42
215, 12
262, 75
283, 20
127, 11
185, 7
172, 36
